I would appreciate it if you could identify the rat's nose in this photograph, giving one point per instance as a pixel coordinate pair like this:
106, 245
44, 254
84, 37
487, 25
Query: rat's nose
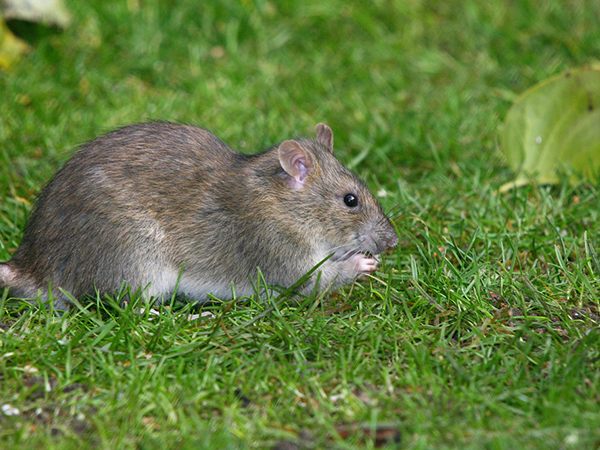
382, 234
393, 240
389, 237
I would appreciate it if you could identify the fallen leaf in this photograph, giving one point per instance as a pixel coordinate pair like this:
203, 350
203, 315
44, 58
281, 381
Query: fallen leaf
554, 124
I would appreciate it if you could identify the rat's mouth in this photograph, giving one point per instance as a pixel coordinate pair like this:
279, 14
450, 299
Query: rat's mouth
342, 255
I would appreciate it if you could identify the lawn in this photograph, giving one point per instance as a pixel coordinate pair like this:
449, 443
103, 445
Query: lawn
479, 331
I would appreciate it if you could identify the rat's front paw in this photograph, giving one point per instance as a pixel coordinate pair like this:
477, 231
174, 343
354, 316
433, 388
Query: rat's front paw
362, 265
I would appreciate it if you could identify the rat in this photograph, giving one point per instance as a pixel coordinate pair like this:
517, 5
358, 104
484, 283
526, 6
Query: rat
164, 207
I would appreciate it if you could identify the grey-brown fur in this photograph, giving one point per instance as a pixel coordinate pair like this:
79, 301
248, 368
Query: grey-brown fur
141, 202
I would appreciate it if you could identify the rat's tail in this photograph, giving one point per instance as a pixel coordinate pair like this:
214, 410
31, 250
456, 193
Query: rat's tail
22, 286
7, 275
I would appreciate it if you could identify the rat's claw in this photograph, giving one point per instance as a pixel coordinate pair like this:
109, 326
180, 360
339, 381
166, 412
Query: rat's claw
362, 264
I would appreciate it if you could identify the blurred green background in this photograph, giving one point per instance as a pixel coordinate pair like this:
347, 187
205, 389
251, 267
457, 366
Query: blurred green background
415, 92
414, 84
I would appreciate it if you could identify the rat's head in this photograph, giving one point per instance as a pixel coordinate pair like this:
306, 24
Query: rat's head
328, 202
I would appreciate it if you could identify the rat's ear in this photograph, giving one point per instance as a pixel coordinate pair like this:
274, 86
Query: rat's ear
325, 136
296, 162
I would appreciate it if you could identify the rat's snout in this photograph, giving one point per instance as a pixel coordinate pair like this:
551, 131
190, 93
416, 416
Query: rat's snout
388, 237
382, 236
391, 240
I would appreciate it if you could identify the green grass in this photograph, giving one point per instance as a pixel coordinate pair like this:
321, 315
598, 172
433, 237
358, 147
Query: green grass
480, 330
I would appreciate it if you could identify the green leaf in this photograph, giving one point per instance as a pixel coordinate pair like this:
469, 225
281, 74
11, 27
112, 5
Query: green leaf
552, 125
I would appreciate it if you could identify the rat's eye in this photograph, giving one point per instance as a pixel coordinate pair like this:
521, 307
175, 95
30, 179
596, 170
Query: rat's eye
351, 200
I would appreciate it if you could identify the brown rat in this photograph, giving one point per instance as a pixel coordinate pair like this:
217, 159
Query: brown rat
142, 202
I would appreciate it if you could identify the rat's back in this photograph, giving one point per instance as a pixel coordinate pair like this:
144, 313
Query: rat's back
106, 216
